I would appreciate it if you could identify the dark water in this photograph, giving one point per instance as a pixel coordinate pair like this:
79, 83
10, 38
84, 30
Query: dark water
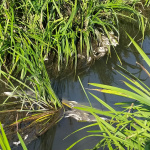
68, 87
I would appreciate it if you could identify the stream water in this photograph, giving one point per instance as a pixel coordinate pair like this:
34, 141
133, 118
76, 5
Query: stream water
68, 87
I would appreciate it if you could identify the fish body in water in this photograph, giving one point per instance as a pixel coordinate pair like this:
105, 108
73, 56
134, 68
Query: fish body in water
70, 111
77, 114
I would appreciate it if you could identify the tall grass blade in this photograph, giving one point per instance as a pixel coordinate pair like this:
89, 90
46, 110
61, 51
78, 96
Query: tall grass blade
22, 142
3, 139
145, 57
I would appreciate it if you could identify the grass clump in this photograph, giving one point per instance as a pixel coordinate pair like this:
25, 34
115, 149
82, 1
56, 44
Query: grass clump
34, 86
59, 26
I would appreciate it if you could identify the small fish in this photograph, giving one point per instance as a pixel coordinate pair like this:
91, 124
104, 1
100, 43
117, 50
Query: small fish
16, 143
26, 136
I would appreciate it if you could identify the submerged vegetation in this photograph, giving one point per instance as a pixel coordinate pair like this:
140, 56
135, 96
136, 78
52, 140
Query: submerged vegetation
33, 31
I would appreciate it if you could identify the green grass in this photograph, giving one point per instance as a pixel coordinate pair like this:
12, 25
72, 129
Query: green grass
3, 139
58, 26
36, 82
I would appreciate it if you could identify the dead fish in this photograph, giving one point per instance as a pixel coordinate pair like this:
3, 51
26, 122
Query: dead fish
77, 114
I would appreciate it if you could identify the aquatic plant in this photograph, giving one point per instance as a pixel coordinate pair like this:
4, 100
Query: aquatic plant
127, 129
59, 27
32, 94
